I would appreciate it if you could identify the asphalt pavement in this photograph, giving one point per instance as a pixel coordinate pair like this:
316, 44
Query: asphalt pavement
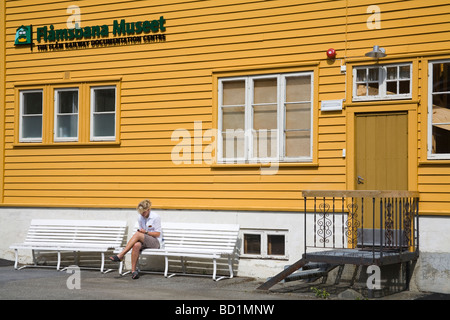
178, 295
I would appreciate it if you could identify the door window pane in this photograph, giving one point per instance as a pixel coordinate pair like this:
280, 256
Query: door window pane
383, 82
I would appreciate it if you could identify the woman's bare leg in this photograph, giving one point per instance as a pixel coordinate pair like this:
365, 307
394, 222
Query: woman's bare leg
137, 237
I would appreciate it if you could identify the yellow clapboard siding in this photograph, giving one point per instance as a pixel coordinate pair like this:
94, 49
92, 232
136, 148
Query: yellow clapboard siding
288, 190
169, 85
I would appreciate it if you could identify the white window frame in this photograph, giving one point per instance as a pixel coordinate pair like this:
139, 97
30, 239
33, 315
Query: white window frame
433, 156
56, 138
248, 130
102, 138
382, 81
264, 234
21, 99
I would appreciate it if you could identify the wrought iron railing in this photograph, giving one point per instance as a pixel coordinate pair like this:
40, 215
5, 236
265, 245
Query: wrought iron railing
382, 221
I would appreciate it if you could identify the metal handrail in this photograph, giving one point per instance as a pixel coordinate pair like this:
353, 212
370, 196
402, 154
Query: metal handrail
337, 218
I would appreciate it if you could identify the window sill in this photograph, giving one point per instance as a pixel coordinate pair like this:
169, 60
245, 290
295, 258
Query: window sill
66, 144
259, 257
431, 162
264, 165
362, 103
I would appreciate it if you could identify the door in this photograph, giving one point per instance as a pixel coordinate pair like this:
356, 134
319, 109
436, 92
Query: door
381, 151
381, 163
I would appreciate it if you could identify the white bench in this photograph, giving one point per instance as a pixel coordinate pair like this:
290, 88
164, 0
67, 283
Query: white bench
72, 235
195, 240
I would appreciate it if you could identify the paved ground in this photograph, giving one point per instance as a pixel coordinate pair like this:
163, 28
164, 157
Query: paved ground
179, 292
47, 283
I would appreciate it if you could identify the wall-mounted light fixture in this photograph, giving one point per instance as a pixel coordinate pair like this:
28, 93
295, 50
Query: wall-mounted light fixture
376, 52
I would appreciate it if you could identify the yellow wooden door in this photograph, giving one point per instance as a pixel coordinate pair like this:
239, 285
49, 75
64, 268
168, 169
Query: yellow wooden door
381, 159
381, 151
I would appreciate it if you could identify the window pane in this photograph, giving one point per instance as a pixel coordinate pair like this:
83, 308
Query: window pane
265, 117
67, 126
265, 144
275, 245
405, 72
31, 115
441, 108
298, 89
233, 118
298, 116
373, 74
441, 75
361, 75
391, 87
298, 144
361, 90
68, 102
265, 91
252, 244
404, 87
105, 100
32, 102
373, 89
233, 92
391, 73
104, 125
233, 142
32, 127
441, 138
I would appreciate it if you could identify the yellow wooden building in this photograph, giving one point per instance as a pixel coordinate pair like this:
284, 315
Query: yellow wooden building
224, 110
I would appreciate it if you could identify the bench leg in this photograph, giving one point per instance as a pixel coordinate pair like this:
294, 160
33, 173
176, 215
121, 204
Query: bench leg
166, 266
214, 268
16, 263
33, 253
183, 265
103, 263
230, 267
120, 267
59, 261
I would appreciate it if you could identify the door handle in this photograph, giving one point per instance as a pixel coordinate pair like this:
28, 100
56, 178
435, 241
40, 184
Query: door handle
360, 180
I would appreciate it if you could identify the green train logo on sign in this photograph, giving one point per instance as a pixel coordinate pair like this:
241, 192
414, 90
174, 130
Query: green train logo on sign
24, 35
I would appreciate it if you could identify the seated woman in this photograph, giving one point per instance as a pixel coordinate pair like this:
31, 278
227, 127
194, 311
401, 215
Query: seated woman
149, 235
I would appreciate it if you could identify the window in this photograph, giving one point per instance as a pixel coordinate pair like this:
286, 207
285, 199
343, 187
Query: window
266, 118
79, 113
103, 113
382, 82
439, 110
30, 126
66, 115
264, 244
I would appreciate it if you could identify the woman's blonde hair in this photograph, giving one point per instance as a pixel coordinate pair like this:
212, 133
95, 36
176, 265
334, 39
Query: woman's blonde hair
143, 206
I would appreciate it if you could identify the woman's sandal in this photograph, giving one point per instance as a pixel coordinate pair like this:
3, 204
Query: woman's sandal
135, 275
115, 259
